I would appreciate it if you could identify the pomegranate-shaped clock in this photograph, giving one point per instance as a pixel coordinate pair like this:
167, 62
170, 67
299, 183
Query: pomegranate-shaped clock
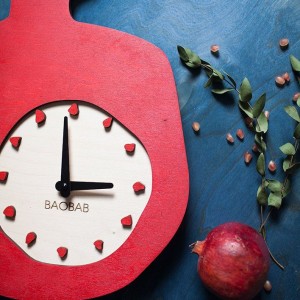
93, 172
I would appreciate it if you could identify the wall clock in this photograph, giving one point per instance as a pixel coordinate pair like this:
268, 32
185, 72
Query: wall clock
93, 173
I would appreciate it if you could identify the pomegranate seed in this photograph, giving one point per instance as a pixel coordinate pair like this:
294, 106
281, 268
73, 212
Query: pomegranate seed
247, 157
267, 114
268, 286
283, 43
286, 76
254, 148
240, 134
296, 97
229, 138
280, 81
249, 122
272, 166
196, 126
214, 48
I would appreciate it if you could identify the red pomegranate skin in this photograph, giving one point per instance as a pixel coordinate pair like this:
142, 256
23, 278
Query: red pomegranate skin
233, 261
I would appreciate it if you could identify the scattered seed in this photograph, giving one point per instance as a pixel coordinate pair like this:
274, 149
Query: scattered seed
229, 138
240, 134
280, 81
286, 77
267, 114
283, 43
296, 96
249, 122
196, 126
272, 166
254, 148
214, 48
247, 157
268, 286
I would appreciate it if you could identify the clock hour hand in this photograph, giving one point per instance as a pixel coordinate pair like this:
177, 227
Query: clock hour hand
83, 185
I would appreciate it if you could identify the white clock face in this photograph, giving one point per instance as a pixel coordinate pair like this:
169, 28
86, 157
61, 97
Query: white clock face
89, 225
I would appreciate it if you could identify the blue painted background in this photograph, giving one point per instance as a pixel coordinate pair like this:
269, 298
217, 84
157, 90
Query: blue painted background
222, 187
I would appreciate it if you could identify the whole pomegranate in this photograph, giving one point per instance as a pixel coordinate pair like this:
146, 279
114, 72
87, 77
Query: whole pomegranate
233, 261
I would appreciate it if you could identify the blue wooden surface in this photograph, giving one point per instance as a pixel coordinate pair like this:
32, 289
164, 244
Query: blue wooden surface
222, 188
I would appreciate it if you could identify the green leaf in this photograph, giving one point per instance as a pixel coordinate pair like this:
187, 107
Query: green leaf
295, 63
246, 108
286, 163
262, 147
298, 101
288, 149
262, 123
245, 91
275, 199
274, 185
217, 74
208, 82
259, 105
297, 132
260, 164
221, 91
292, 112
230, 79
190, 58
287, 188
262, 196
293, 168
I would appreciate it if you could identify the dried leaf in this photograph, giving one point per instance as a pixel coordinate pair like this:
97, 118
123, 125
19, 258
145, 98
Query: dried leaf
260, 164
292, 112
259, 105
275, 199
288, 149
245, 91
295, 63
221, 91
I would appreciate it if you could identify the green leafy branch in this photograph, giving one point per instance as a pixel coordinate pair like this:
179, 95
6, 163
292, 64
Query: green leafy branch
270, 192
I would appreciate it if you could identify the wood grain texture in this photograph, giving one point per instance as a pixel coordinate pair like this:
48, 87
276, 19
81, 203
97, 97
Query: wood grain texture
222, 188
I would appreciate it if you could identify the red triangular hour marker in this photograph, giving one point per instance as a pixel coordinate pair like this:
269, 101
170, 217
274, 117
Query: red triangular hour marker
62, 252
30, 238
98, 245
107, 122
138, 187
129, 147
9, 212
40, 116
73, 110
3, 175
127, 221
15, 141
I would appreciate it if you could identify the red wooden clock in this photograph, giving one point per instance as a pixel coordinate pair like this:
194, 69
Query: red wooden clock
93, 172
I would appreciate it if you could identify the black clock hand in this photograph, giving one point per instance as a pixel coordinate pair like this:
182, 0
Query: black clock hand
82, 185
63, 186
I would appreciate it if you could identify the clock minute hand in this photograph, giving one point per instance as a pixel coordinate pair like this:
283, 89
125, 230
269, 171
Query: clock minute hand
63, 186
65, 164
83, 185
